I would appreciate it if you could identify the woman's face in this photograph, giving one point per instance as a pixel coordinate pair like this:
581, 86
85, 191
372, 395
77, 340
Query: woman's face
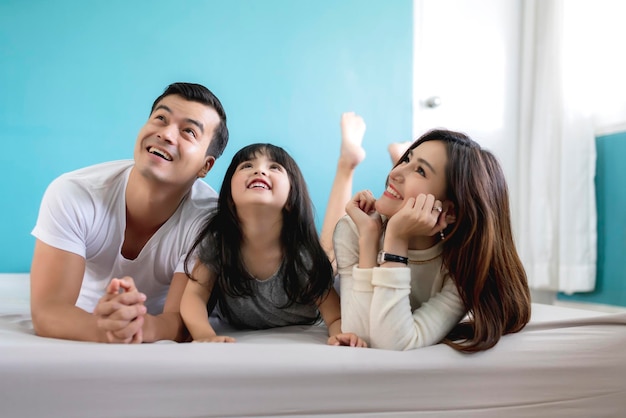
423, 171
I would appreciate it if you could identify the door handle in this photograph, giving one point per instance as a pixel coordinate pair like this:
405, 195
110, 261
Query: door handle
432, 102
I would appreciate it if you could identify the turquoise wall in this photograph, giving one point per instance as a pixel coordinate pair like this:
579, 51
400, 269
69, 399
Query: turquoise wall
611, 204
77, 79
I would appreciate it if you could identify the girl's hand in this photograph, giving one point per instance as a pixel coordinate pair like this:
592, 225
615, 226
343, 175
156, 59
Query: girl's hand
215, 339
347, 339
420, 216
362, 211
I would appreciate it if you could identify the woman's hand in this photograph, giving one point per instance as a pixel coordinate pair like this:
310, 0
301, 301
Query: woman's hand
362, 211
420, 216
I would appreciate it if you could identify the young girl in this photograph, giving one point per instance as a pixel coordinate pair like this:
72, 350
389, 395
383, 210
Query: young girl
259, 255
436, 247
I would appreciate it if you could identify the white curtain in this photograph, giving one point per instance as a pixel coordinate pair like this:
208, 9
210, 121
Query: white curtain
556, 159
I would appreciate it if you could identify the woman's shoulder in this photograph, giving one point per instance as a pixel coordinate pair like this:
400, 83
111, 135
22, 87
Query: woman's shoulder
345, 227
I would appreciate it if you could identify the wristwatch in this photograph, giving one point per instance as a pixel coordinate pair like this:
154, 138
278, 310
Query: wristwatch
383, 256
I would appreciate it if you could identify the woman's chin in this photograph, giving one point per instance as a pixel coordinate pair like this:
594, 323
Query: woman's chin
383, 208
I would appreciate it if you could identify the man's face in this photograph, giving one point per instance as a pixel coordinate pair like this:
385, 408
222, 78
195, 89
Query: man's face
171, 147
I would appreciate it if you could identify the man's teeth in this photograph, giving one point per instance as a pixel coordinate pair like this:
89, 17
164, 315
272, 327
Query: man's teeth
393, 193
258, 184
161, 153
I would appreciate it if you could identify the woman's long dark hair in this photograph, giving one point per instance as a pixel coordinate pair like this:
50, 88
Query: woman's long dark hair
479, 250
218, 244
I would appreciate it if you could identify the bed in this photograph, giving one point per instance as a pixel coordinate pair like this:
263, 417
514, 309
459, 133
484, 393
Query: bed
565, 363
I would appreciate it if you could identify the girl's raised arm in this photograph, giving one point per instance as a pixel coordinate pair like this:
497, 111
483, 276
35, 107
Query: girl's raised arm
193, 307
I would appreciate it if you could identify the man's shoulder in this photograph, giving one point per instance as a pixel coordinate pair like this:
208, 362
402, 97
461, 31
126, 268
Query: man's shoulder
98, 173
91, 180
202, 195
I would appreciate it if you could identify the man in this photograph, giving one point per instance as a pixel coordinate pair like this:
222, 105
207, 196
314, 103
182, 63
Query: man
111, 239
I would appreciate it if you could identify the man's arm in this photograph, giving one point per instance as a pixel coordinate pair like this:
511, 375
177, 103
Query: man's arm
55, 280
122, 314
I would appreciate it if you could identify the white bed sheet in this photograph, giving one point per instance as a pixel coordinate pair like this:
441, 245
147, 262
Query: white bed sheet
565, 363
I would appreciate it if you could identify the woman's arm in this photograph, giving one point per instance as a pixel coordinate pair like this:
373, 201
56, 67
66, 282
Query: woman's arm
354, 282
395, 326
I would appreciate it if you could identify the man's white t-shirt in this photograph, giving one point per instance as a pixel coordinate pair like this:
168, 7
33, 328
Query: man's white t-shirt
84, 212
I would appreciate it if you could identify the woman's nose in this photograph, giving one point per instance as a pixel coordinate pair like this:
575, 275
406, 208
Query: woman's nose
396, 173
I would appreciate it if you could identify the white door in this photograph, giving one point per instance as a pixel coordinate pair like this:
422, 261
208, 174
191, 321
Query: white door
466, 72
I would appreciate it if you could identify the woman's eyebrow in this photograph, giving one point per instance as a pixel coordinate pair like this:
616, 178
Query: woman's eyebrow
427, 164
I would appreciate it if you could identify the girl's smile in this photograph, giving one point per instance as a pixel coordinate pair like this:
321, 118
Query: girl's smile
260, 181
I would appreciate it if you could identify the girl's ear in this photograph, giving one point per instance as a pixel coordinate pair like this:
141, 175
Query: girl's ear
209, 160
449, 211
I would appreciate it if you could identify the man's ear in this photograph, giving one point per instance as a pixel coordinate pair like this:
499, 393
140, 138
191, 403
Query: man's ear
209, 160
449, 211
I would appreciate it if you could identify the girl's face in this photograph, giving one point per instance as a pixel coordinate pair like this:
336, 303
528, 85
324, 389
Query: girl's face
260, 181
423, 171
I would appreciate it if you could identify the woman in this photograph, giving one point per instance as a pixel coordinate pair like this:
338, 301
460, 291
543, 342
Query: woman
435, 248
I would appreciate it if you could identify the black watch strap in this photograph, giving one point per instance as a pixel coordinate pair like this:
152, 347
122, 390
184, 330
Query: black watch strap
383, 256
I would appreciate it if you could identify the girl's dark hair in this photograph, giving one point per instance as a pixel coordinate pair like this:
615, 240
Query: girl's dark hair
218, 245
479, 250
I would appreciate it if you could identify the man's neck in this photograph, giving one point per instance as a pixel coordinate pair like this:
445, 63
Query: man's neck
148, 204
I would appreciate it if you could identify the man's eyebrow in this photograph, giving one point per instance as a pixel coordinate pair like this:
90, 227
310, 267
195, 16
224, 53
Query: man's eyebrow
192, 121
197, 123
427, 164
167, 109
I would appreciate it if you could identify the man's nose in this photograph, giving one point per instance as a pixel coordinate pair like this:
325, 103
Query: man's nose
168, 133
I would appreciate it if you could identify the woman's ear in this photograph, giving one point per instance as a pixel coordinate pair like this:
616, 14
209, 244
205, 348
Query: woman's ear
449, 211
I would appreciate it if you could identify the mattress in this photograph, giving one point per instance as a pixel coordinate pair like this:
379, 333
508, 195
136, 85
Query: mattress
565, 363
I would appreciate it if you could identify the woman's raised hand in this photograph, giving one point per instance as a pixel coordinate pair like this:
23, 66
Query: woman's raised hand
361, 208
420, 216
